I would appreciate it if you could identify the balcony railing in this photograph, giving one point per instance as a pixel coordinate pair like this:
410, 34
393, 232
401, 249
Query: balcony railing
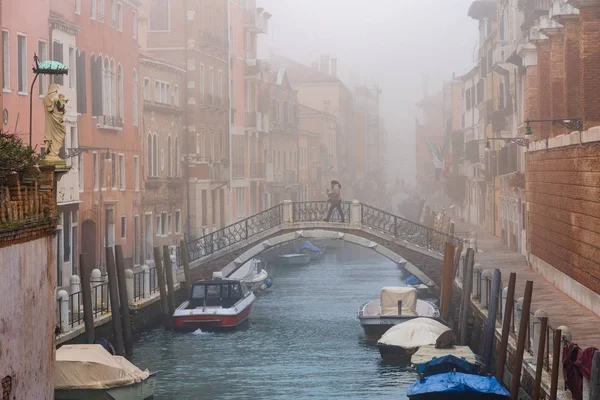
210, 42
257, 170
110, 122
256, 21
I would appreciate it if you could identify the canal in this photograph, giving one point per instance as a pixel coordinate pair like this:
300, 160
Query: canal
304, 341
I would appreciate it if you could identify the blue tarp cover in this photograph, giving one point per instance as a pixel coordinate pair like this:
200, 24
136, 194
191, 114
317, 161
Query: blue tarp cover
309, 246
456, 382
447, 364
412, 280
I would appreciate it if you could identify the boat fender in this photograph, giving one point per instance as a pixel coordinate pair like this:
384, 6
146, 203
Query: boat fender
262, 287
269, 282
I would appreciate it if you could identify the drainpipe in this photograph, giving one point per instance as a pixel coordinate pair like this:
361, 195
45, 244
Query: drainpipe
186, 121
231, 103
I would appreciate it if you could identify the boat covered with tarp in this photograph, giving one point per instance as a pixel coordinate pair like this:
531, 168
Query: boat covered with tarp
457, 385
430, 360
395, 305
403, 340
88, 371
311, 250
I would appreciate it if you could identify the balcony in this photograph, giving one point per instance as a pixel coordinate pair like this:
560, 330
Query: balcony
212, 44
162, 107
110, 123
257, 170
252, 68
256, 20
221, 103
205, 169
219, 171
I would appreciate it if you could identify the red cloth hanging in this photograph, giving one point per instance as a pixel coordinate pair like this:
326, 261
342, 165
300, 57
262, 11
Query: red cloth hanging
577, 364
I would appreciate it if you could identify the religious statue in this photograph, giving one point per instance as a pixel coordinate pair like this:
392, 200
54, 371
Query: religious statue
54, 135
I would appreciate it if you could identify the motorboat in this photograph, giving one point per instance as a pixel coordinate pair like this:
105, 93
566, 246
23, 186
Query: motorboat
394, 306
294, 259
402, 341
313, 251
218, 304
454, 373
252, 274
88, 371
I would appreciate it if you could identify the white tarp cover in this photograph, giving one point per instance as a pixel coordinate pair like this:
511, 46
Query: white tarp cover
390, 297
428, 353
414, 333
90, 366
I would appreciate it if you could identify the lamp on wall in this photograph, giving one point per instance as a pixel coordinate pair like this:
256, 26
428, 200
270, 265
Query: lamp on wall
573, 124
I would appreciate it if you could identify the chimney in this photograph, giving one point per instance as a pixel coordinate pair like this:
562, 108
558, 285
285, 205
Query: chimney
334, 67
325, 64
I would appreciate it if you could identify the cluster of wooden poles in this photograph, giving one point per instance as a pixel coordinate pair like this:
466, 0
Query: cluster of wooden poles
117, 288
450, 269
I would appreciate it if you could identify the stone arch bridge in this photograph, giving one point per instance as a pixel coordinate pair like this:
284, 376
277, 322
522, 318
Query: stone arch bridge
392, 236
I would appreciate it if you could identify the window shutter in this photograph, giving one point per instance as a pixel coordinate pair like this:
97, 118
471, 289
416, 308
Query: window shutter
96, 86
57, 55
81, 84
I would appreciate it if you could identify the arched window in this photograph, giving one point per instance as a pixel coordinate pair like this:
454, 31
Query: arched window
120, 101
149, 156
135, 98
106, 86
177, 157
169, 157
113, 92
198, 144
155, 155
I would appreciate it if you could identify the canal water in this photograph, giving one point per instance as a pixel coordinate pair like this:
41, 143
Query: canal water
304, 341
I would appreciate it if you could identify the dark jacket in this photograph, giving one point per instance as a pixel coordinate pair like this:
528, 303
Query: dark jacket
334, 194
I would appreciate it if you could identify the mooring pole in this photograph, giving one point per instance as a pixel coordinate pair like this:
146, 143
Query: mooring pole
127, 336
595, 377
185, 258
447, 279
506, 320
490, 327
523, 328
160, 274
86, 291
114, 301
539, 366
556, 363
466, 297
170, 284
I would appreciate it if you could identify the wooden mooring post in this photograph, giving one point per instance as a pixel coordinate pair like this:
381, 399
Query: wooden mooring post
539, 366
185, 258
114, 301
160, 275
522, 337
447, 278
128, 339
555, 364
595, 378
506, 320
86, 291
490, 327
466, 298
169, 274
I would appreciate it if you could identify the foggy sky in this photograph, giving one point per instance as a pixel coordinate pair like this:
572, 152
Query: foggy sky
394, 43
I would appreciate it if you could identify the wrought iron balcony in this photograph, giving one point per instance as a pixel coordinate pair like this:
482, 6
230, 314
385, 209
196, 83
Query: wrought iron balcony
109, 122
256, 20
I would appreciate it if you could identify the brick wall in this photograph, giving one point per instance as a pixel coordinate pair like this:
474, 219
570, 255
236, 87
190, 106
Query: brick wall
590, 64
563, 191
557, 88
572, 66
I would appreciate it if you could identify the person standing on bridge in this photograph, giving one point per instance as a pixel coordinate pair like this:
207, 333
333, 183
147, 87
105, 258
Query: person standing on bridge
335, 200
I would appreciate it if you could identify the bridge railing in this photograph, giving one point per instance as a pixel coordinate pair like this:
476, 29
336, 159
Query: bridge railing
313, 211
401, 228
235, 233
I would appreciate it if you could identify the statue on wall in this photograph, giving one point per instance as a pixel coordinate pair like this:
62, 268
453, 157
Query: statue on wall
54, 135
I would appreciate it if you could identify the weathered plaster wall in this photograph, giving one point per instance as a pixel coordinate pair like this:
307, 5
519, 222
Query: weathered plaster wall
26, 332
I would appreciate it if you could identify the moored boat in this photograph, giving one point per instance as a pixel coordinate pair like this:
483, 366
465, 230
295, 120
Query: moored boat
313, 251
402, 341
88, 371
253, 276
294, 259
396, 305
218, 304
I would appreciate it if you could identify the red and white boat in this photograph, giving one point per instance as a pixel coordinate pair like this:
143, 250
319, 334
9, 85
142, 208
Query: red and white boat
218, 304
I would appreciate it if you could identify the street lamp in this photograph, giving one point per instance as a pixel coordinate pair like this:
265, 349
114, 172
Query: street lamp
44, 68
574, 124
518, 141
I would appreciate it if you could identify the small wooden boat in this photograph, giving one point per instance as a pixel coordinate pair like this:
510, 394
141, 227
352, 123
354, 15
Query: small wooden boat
402, 341
452, 373
218, 304
294, 259
396, 305
313, 251
253, 276
88, 371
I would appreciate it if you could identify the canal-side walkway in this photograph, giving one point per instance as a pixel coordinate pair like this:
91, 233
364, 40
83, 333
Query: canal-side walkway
562, 310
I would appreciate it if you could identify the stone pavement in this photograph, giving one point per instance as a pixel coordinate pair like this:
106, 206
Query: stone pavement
562, 310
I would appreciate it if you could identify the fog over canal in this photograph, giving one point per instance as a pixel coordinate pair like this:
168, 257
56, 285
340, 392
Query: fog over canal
304, 341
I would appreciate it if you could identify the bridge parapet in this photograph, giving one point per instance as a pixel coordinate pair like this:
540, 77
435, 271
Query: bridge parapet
290, 216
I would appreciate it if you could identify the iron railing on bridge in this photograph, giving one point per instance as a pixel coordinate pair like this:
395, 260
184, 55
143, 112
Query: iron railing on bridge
313, 211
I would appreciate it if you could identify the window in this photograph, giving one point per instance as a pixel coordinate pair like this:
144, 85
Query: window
102, 168
149, 156
93, 9
5, 61
113, 89
176, 95
157, 91
136, 111
170, 223
120, 101
120, 17
202, 77
100, 10
95, 170
98, 76
136, 173
160, 15
162, 159
41, 78
66, 231
57, 55
169, 157
220, 83
163, 223
123, 227
177, 221
77, 6
113, 13
113, 163
155, 155
211, 81
177, 157
146, 89
80, 171
158, 225
80, 75
121, 171
134, 23
136, 240
74, 244
72, 68
22, 64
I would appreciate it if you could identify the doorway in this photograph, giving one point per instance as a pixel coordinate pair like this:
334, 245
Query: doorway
88, 243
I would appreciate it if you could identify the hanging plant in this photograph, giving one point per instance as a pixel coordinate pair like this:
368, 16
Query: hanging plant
516, 180
15, 157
